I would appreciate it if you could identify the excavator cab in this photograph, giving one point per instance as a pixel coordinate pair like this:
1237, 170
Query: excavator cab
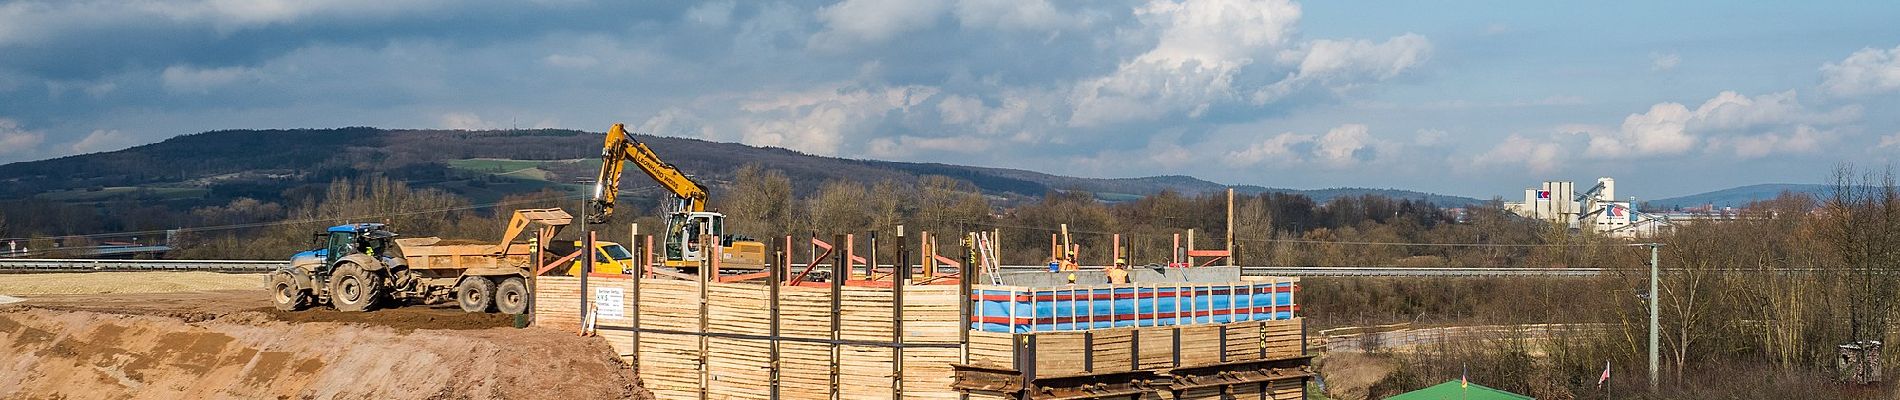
684, 232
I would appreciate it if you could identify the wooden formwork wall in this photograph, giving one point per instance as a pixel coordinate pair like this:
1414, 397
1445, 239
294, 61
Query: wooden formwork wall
1125, 349
734, 347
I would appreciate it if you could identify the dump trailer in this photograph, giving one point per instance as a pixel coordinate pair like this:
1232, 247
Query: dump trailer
356, 269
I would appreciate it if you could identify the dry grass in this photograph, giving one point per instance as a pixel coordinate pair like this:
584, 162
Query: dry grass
125, 282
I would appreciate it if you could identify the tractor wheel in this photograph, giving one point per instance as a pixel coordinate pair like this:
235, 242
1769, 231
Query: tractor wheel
511, 296
354, 290
285, 294
476, 294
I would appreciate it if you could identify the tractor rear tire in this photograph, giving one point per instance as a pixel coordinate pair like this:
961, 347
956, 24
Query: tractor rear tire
354, 290
476, 294
285, 294
511, 296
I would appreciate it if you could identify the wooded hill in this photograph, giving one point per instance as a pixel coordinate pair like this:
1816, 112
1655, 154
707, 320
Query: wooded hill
213, 167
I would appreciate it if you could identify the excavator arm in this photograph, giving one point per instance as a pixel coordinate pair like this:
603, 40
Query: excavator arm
621, 148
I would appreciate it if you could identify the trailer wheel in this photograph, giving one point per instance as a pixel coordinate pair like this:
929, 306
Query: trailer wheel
285, 294
475, 294
511, 296
352, 289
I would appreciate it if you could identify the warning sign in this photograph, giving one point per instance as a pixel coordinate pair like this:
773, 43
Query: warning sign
610, 303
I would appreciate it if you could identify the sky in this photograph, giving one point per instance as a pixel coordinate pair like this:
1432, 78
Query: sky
1477, 98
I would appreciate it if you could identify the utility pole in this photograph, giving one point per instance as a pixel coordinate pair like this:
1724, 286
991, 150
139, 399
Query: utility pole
1655, 323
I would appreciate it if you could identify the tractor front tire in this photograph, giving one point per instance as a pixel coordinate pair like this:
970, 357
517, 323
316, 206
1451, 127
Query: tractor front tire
354, 290
476, 294
285, 294
511, 296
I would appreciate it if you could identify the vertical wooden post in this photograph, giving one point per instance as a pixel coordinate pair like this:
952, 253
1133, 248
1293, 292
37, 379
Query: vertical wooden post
1055, 247
840, 270
900, 280
964, 304
1190, 248
1174, 251
780, 257
850, 256
587, 268
1230, 226
711, 247
646, 255
870, 262
635, 277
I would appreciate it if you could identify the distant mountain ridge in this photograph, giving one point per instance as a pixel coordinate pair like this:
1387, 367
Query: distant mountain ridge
1740, 196
211, 167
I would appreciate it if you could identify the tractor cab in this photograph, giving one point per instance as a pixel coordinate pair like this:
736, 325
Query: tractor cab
343, 240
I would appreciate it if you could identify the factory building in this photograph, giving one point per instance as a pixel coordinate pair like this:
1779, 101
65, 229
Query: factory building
1595, 209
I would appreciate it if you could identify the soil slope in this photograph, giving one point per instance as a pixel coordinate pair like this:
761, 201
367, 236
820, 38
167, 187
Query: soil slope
229, 344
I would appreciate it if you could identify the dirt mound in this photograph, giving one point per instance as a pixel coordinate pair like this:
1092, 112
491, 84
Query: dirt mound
228, 345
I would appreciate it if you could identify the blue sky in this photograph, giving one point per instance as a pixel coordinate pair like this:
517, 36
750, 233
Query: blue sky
1476, 99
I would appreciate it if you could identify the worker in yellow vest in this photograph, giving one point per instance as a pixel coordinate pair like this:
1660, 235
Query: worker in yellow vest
1119, 272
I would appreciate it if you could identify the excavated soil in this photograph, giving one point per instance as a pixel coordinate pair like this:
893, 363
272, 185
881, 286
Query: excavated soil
231, 344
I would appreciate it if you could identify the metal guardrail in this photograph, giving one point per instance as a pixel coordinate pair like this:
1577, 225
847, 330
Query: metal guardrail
18, 265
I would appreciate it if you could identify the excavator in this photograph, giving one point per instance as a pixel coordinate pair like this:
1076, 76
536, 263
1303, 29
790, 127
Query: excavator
687, 222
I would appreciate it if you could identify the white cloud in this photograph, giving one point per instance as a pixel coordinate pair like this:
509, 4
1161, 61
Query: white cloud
1804, 139
1890, 141
1343, 65
1868, 71
32, 21
1277, 148
1726, 119
1014, 15
1202, 46
1343, 146
1538, 156
1663, 62
16, 140
857, 22
103, 140
188, 79
1430, 137
831, 119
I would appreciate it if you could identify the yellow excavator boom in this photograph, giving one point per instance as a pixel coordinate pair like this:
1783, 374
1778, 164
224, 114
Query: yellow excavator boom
622, 148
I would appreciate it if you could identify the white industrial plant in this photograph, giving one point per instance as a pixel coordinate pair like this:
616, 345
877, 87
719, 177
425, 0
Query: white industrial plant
1596, 209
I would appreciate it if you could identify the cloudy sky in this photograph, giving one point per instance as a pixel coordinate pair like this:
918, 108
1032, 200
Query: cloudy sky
1481, 99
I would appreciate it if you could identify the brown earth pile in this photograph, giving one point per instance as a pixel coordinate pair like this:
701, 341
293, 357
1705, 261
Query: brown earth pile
229, 344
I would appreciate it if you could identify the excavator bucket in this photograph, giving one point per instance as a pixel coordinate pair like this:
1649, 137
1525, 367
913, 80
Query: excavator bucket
553, 218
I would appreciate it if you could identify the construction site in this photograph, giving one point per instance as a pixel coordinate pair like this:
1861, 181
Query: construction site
689, 312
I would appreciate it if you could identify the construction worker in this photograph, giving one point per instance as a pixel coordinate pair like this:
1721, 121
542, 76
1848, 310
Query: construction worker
1119, 272
1068, 264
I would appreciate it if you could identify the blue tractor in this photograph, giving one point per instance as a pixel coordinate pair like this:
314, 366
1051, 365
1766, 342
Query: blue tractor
353, 271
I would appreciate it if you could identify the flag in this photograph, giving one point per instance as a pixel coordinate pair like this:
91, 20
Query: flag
1606, 374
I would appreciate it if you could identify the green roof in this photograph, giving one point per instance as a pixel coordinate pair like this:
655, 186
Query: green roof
1450, 390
